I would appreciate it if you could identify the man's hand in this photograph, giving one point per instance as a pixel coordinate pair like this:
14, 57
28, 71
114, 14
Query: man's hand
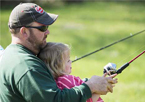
102, 85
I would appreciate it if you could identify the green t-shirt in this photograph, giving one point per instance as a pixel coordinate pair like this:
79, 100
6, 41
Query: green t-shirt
25, 78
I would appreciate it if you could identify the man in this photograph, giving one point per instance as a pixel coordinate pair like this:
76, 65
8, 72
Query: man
24, 77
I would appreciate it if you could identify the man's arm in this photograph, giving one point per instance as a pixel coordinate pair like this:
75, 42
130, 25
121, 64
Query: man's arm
37, 86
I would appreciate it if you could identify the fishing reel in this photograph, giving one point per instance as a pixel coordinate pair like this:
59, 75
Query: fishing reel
110, 69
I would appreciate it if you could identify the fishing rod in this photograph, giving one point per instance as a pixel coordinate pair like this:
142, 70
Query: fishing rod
109, 45
111, 67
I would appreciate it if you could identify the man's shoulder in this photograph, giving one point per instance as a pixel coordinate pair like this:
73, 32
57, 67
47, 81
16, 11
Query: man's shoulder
20, 55
17, 62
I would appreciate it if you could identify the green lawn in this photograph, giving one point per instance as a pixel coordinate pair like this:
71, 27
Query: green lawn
91, 25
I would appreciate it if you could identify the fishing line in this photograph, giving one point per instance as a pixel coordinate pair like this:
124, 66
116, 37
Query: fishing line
131, 54
131, 35
110, 68
128, 63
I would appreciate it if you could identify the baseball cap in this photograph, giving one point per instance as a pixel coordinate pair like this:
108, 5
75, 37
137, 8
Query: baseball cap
26, 13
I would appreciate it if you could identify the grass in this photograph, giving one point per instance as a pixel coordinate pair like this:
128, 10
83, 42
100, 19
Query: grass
91, 25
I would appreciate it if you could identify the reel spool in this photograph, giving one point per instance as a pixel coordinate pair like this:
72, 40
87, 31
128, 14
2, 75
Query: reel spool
110, 68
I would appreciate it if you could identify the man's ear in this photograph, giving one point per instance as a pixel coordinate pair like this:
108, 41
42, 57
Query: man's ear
24, 32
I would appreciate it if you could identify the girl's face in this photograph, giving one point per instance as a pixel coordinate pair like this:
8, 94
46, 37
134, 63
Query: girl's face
67, 63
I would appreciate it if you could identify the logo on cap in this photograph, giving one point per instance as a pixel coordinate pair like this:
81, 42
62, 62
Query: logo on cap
39, 9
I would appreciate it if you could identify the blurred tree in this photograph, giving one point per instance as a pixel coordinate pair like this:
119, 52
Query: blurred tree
74, 1
11, 3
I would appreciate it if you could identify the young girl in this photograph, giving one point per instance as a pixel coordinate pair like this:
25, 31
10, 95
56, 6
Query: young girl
57, 58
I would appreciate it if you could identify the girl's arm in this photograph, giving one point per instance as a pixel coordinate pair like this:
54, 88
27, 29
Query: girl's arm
95, 97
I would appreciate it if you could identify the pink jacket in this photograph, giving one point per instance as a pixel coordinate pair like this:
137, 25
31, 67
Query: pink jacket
69, 81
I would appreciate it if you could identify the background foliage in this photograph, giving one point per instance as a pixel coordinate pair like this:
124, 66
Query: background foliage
87, 26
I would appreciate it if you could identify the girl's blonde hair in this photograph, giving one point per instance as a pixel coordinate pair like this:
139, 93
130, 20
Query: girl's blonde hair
53, 55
